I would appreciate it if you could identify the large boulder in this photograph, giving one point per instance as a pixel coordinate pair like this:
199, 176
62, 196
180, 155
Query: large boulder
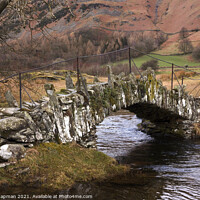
9, 151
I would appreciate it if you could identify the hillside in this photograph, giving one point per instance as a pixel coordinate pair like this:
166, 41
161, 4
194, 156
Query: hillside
133, 15
111, 24
124, 16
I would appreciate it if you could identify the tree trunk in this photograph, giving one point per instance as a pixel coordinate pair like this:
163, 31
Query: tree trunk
4, 4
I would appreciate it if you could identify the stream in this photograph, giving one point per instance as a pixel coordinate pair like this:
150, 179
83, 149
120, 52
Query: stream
170, 169
165, 169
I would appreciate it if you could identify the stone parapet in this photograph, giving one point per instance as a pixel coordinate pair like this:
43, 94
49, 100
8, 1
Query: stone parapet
71, 117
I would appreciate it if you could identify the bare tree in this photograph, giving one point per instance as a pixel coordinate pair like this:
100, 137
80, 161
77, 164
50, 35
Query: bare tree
184, 33
185, 46
196, 52
161, 38
15, 14
4, 4
21, 5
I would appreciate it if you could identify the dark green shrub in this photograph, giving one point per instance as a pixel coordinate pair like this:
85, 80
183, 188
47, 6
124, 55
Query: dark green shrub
196, 53
185, 46
153, 64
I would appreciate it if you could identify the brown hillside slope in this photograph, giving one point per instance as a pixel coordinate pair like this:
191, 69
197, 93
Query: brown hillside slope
173, 15
128, 16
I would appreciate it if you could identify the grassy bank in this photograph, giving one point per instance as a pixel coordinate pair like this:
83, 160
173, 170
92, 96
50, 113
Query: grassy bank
56, 166
180, 60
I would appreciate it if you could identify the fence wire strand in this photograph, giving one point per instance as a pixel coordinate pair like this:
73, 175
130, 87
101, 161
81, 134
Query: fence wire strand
137, 68
90, 62
192, 78
147, 54
194, 88
28, 94
178, 81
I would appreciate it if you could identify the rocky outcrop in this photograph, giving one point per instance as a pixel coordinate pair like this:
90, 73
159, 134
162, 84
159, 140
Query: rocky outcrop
73, 116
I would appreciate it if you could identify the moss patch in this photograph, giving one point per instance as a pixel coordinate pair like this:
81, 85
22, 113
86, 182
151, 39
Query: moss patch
110, 95
56, 166
103, 99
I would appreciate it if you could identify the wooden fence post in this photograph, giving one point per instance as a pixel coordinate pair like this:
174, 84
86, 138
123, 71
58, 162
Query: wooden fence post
182, 80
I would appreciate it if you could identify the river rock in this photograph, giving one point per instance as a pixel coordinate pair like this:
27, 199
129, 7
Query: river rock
9, 151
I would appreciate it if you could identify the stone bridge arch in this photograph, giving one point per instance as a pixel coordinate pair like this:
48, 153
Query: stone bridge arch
73, 116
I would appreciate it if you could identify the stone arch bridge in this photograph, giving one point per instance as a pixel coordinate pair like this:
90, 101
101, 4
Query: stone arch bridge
73, 116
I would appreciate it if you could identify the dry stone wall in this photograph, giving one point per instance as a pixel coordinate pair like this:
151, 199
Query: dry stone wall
70, 117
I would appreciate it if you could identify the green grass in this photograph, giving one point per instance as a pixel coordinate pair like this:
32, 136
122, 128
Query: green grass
178, 60
56, 166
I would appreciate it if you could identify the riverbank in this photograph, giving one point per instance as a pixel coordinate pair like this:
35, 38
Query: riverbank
57, 166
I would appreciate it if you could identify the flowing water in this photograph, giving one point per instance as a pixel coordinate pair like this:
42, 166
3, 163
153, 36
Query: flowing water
160, 168
169, 169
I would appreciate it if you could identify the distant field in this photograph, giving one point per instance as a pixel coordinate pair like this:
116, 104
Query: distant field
178, 60
165, 74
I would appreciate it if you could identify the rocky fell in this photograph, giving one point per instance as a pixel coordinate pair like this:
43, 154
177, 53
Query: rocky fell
102, 26
123, 16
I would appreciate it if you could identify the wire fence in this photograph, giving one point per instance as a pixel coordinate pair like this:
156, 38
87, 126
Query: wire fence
29, 85
179, 77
